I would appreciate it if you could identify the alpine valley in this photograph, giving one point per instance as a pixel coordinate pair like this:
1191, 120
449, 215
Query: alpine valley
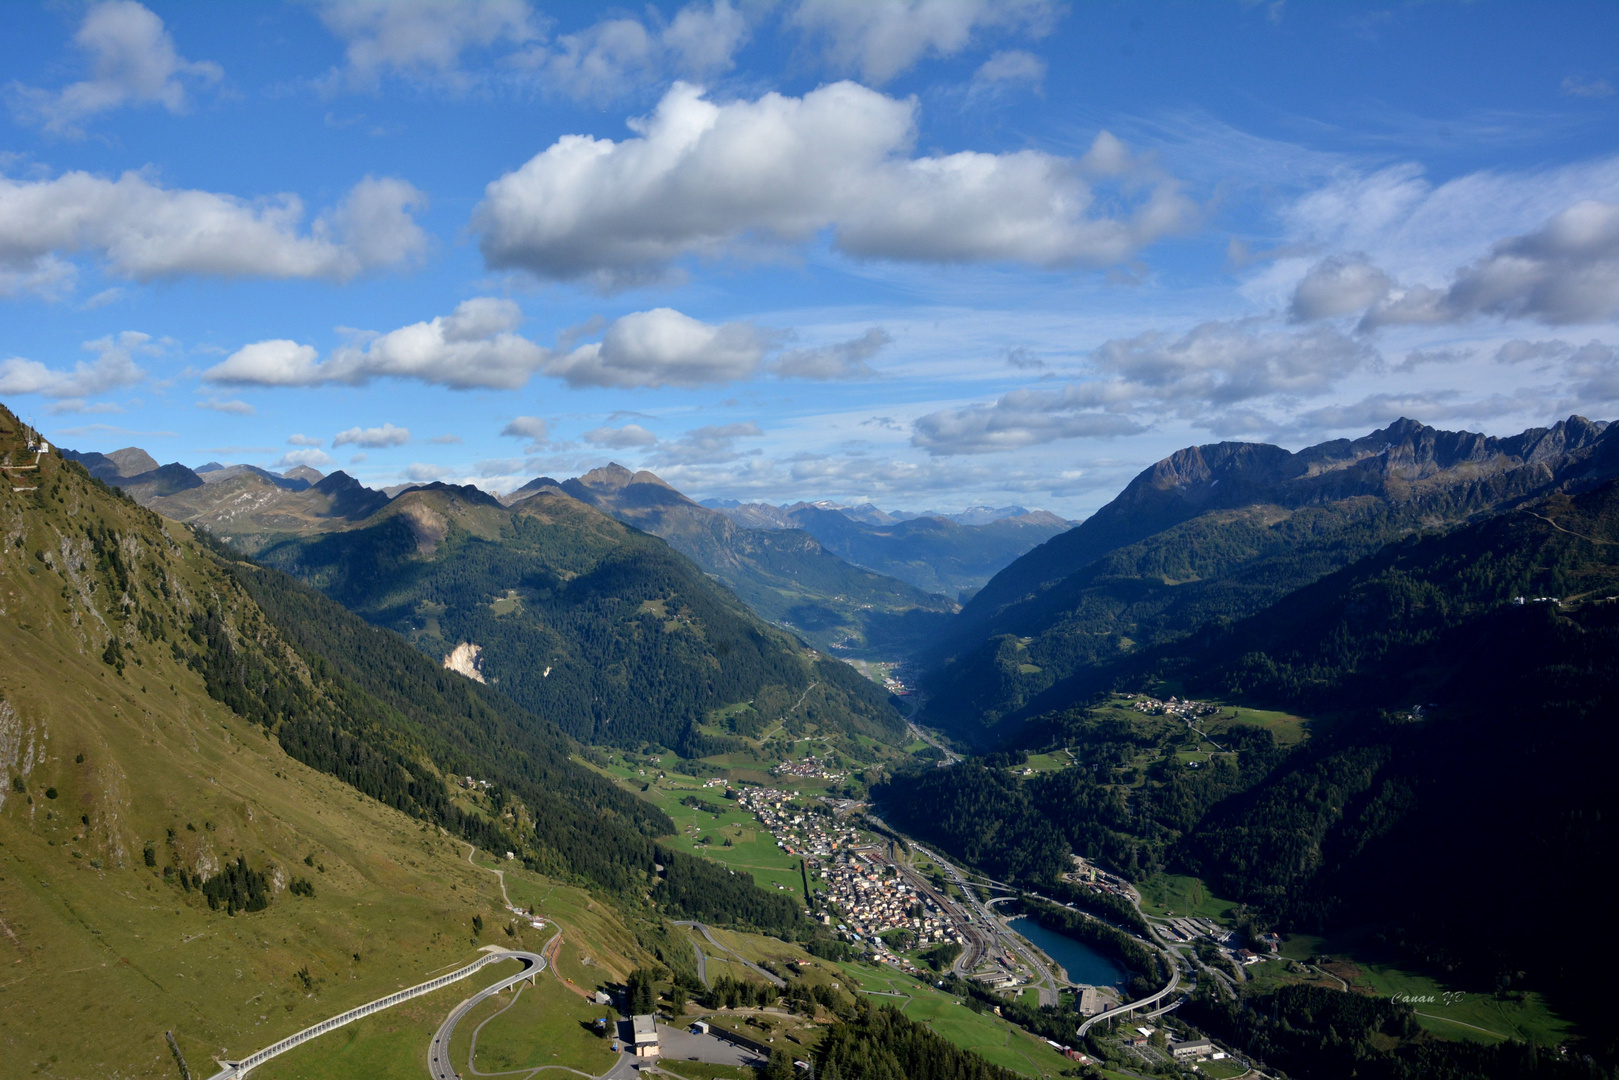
277, 745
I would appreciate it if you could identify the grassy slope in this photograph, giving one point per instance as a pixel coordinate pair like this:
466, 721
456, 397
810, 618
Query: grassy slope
94, 935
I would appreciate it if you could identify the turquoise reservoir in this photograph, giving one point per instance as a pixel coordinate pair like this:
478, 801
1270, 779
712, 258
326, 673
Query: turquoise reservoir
1082, 963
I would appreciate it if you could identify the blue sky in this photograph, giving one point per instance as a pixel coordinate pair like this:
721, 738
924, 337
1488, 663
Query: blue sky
930, 253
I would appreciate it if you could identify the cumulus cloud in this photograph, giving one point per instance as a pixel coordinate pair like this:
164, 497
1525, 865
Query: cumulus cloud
1339, 285
476, 346
113, 367
704, 178
878, 41
1566, 271
144, 231
422, 40
305, 440
663, 347
843, 360
610, 58
620, 438
132, 61
710, 445
372, 438
313, 459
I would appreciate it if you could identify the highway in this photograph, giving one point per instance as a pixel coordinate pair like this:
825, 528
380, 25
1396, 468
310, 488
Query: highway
1169, 988
234, 1070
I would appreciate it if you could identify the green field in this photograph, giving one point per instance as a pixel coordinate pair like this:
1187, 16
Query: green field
1468, 1016
1453, 1014
390, 1043
596, 947
752, 848
1163, 895
995, 1039
543, 1025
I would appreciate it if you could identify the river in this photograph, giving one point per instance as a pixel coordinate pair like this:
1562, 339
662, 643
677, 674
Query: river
1082, 963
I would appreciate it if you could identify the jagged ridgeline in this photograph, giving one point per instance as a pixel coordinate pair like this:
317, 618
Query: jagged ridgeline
128, 587
1217, 533
592, 624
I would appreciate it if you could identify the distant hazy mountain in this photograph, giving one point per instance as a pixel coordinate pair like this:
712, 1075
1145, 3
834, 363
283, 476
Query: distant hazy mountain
1221, 531
786, 575
953, 554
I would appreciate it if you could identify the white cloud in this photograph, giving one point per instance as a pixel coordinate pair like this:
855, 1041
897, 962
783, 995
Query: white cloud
314, 459
476, 346
1416, 232
79, 405
445, 440
1574, 86
710, 445
1008, 68
703, 178
1016, 420
132, 61
231, 407
424, 474
1223, 363
422, 40
1566, 271
305, 440
610, 58
146, 232
373, 438
1338, 285
880, 40
114, 366
532, 428
1199, 376
662, 347
277, 362
620, 438
843, 360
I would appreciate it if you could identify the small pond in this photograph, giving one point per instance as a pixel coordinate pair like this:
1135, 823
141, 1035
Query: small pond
1082, 963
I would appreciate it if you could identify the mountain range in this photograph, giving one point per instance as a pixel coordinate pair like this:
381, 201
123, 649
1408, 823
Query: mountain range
1219, 532
954, 554
275, 709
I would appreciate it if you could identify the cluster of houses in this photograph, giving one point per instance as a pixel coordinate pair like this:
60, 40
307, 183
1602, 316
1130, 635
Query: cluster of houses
871, 902
812, 836
1187, 709
810, 767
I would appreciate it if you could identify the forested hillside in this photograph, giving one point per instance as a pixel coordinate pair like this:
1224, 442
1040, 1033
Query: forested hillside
598, 627
1220, 532
1463, 744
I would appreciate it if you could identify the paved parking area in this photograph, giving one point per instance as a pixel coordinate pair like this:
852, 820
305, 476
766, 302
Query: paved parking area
681, 1044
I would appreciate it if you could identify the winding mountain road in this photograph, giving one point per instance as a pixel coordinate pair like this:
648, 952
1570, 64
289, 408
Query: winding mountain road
438, 1051
532, 963
779, 982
